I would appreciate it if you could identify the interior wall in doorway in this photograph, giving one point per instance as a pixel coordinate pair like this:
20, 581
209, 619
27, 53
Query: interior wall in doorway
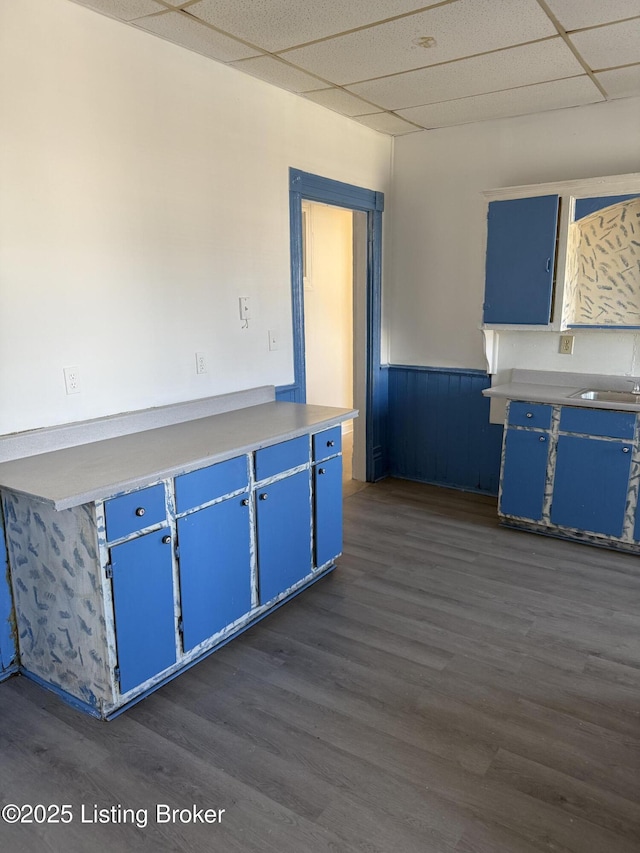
328, 304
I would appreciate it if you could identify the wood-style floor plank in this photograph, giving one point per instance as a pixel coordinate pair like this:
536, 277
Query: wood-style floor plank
454, 687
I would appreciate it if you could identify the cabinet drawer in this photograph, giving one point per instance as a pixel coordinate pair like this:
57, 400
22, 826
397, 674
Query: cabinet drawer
281, 457
135, 511
598, 422
207, 484
536, 415
327, 443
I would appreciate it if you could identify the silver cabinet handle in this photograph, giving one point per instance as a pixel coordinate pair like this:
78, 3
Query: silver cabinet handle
322, 470
166, 540
264, 496
542, 438
244, 502
140, 511
625, 449
330, 443
529, 414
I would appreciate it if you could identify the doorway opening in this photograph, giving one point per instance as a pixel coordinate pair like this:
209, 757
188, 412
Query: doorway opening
370, 378
334, 264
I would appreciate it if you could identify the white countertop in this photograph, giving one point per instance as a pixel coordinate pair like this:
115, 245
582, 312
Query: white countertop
100, 469
540, 386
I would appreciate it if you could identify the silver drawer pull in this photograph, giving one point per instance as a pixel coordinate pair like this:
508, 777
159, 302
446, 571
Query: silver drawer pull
264, 496
244, 502
322, 470
529, 414
166, 540
140, 511
542, 438
330, 443
625, 449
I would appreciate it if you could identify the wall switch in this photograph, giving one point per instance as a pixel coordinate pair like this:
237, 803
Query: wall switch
274, 337
201, 362
72, 380
245, 313
566, 344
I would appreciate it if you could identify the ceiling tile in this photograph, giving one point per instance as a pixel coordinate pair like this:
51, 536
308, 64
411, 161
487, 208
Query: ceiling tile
340, 101
575, 14
277, 24
387, 123
459, 29
183, 30
125, 10
278, 73
621, 82
504, 69
610, 46
512, 102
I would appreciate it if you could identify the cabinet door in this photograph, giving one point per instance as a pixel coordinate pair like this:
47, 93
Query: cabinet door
7, 643
283, 511
327, 495
215, 568
524, 474
144, 607
590, 486
521, 247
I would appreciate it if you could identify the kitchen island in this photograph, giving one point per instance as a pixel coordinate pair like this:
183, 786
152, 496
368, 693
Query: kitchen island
134, 556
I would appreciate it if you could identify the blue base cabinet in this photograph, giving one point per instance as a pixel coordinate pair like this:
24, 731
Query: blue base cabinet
524, 474
591, 484
283, 512
143, 604
327, 489
7, 639
215, 568
570, 473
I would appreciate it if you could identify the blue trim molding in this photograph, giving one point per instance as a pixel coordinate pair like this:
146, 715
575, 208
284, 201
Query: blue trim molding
439, 430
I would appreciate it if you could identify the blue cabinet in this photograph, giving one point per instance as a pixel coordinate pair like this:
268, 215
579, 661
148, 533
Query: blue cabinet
521, 248
283, 515
524, 473
143, 603
215, 568
327, 501
591, 484
7, 640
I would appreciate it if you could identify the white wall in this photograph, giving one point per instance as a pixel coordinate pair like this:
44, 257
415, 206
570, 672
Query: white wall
435, 271
328, 307
144, 189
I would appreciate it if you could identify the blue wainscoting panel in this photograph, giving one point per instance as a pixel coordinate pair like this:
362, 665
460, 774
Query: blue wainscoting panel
7, 638
439, 430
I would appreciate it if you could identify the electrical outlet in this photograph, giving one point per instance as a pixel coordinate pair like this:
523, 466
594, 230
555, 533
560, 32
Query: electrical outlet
566, 344
72, 380
245, 313
274, 337
201, 362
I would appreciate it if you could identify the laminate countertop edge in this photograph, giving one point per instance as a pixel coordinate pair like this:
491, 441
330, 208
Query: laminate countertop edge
98, 470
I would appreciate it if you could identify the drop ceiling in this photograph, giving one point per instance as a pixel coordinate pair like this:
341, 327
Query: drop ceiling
400, 66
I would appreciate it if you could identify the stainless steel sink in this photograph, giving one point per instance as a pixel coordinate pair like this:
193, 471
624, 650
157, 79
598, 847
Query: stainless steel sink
607, 396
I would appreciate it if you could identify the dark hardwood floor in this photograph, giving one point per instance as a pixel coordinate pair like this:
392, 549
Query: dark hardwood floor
454, 687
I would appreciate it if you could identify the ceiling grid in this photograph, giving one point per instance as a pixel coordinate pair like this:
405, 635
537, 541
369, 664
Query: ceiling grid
400, 66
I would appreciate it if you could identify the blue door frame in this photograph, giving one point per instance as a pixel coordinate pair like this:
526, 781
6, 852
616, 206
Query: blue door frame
303, 185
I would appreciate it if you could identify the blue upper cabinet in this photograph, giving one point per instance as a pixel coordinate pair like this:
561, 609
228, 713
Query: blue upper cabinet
587, 206
521, 248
